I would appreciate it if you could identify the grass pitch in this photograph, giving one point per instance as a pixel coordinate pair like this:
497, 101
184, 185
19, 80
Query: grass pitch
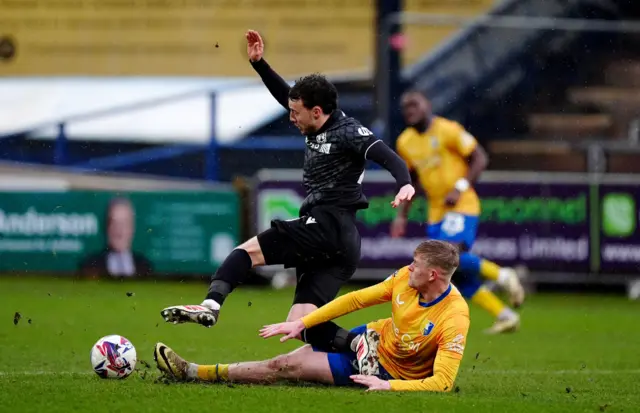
573, 354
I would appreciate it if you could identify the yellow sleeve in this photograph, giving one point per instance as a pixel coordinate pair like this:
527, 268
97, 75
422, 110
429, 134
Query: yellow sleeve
401, 148
459, 140
353, 301
445, 367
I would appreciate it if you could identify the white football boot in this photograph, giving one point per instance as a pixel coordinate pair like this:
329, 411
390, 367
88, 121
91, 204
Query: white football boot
366, 349
199, 314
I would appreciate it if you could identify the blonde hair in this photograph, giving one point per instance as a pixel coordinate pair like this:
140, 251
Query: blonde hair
439, 254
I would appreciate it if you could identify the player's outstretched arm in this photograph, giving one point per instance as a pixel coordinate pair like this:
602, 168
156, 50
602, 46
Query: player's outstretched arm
466, 146
381, 154
365, 144
445, 370
277, 86
399, 224
366, 297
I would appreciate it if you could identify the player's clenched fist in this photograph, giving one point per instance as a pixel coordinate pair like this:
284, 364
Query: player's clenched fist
255, 45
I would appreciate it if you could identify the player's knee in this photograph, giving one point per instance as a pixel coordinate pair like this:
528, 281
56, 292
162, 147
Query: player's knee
252, 247
299, 310
284, 365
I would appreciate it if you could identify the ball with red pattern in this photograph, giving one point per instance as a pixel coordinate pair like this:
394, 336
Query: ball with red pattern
113, 357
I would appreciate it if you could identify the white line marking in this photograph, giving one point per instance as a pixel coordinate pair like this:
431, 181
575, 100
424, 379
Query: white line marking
45, 373
550, 372
468, 371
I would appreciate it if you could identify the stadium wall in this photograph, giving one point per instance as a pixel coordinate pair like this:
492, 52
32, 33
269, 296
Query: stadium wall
563, 228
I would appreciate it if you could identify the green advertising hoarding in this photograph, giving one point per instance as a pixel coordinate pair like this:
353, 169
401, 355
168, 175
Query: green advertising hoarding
156, 232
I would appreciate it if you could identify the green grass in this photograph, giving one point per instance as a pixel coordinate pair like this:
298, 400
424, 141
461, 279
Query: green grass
573, 354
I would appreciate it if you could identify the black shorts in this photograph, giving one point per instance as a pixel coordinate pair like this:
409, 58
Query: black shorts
323, 246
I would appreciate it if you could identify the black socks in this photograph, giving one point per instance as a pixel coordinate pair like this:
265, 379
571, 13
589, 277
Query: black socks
233, 272
329, 337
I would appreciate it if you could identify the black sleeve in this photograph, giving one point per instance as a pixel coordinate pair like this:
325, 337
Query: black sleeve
381, 154
362, 141
359, 139
277, 86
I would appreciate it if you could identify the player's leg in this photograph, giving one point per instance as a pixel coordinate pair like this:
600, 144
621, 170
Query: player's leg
233, 272
461, 230
272, 246
315, 288
506, 277
320, 279
302, 364
471, 288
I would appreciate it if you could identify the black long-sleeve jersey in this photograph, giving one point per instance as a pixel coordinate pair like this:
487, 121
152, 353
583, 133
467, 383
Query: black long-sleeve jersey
335, 156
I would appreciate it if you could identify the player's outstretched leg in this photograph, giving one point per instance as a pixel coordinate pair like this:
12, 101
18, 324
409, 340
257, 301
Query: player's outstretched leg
505, 277
170, 363
233, 272
302, 364
471, 287
507, 320
199, 314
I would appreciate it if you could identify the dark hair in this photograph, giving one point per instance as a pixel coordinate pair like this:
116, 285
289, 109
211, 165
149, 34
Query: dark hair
414, 91
315, 90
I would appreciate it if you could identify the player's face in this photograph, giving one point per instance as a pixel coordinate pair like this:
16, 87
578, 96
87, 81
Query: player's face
420, 273
415, 109
120, 228
306, 120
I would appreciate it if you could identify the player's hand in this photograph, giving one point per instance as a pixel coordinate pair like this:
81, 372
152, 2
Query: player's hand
290, 329
452, 197
372, 382
398, 226
404, 195
255, 45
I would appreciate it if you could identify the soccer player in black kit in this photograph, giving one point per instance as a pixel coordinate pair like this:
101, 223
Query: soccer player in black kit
323, 244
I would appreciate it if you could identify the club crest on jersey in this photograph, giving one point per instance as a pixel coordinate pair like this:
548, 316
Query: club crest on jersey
320, 147
428, 329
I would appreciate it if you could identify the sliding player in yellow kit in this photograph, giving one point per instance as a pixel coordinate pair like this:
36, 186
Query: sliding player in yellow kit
418, 349
447, 161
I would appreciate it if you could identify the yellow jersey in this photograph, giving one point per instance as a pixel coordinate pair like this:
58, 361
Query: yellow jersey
422, 344
439, 158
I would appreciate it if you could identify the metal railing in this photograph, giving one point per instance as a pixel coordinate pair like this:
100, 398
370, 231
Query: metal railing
476, 51
211, 148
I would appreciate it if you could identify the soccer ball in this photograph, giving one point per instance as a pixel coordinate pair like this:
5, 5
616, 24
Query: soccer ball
113, 357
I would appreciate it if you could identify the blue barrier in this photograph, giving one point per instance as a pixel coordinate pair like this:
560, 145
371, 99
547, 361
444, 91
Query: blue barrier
137, 157
60, 150
211, 149
121, 161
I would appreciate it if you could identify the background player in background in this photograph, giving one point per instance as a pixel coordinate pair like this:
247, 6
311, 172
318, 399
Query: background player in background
419, 348
447, 161
323, 244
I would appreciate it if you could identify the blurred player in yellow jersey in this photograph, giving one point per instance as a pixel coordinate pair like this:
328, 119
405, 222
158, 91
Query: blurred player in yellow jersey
447, 161
419, 348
